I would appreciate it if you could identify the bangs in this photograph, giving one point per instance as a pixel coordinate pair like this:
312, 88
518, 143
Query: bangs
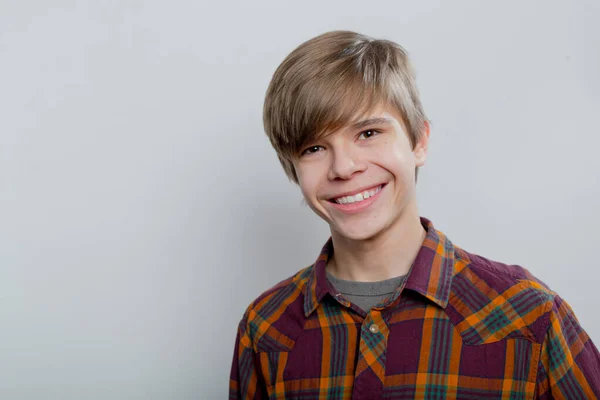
327, 105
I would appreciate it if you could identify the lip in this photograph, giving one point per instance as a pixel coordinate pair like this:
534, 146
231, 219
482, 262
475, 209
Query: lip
353, 208
355, 192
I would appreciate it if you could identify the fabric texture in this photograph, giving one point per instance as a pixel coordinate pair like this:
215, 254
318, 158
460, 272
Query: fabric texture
365, 295
460, 327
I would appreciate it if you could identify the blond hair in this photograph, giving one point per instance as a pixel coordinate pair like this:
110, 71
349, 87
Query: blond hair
327, 81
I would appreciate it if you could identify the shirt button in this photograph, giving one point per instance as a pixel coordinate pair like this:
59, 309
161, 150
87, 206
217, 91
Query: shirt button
374, 328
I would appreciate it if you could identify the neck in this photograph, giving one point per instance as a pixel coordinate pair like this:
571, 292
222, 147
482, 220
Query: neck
386, 255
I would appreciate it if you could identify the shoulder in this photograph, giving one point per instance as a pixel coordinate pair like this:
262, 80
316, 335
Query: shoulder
491, 300
275, 296
273, 320
496, 275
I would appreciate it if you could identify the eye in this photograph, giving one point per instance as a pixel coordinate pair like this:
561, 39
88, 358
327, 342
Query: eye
311, 150
369, 133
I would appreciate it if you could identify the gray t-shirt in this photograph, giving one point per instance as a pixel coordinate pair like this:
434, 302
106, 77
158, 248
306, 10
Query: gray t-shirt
365, 294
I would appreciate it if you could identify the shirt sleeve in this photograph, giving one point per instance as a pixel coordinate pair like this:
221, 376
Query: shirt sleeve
569, 366
245, 381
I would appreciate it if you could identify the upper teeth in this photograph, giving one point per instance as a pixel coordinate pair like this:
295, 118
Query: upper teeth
358, 197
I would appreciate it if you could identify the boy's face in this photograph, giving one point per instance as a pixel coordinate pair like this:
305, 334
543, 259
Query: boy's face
361, 178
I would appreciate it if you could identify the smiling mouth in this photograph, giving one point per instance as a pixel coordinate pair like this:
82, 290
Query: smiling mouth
365, 194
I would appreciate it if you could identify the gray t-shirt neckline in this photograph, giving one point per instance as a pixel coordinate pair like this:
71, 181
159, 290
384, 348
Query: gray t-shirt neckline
365, 295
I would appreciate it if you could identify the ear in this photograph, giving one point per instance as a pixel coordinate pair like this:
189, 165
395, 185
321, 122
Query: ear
422, 146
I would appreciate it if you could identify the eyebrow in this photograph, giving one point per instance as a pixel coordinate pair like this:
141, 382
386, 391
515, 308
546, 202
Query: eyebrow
370, 121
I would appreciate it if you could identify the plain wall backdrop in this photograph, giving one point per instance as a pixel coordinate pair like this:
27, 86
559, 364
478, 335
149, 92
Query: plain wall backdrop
142, 207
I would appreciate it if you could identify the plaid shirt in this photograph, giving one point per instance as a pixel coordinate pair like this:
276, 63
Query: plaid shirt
460, 327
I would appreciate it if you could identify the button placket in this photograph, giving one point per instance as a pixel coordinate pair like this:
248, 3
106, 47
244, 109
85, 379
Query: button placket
372, 356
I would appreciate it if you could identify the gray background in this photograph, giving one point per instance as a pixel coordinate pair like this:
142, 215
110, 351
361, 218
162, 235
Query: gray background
142, 208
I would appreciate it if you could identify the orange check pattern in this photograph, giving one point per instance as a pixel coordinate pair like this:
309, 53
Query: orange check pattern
460, 327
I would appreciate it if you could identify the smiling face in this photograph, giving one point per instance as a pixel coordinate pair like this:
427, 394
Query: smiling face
361, 178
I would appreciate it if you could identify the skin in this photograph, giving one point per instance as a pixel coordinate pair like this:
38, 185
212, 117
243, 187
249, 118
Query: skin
381, 241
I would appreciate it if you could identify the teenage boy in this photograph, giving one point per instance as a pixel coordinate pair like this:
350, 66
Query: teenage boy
391, 308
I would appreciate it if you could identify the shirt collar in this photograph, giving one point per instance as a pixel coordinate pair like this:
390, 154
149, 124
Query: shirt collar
430, 275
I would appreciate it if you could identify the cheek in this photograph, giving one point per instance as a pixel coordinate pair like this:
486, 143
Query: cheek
397, 159
310, 178
308, 185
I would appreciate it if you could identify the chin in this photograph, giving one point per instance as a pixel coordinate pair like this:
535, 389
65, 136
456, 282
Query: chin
357, 233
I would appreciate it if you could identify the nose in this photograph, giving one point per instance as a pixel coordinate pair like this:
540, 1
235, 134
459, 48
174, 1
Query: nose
345, 162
